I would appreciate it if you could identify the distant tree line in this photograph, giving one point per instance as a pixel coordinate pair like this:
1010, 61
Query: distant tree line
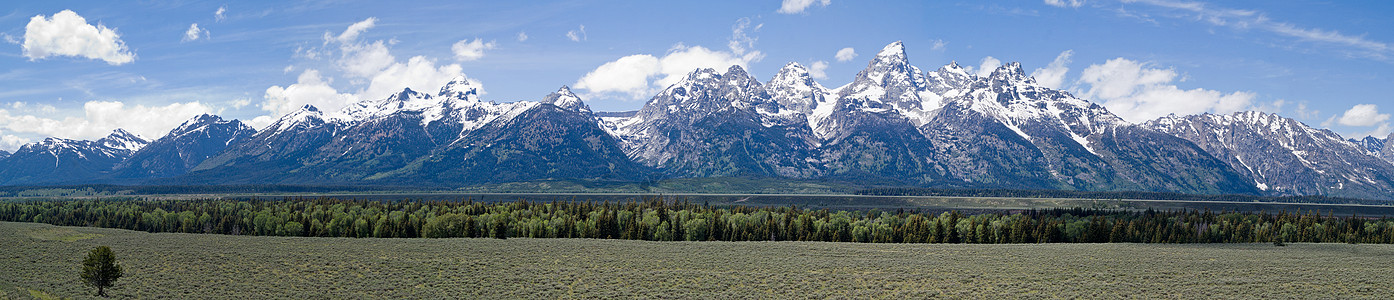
656, 220
946, 192
108, 189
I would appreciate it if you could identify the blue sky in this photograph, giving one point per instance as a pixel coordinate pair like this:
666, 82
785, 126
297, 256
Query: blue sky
79, 69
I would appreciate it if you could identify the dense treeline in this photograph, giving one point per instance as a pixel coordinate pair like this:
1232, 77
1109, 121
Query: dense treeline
108, 189
1109, 195
680, 221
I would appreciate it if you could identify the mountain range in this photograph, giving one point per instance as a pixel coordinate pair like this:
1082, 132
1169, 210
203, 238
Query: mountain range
893, 125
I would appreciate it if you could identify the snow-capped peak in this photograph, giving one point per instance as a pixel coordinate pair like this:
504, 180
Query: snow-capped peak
123, 140
567, 100
894, 50
460, 88
1011, 72
196, 123
795, 90
307, 116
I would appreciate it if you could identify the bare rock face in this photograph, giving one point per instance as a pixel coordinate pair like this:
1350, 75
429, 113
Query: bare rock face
1285, 157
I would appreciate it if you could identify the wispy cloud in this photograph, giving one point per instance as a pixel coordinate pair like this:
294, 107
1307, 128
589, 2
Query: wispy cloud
1244, 19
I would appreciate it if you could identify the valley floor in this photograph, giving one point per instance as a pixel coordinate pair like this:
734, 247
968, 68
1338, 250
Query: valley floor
39, 260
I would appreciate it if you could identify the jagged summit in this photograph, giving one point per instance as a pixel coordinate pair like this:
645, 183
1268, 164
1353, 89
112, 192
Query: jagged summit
893, 124
459, 88
892, 51
123, 140
1012, 72
567, 100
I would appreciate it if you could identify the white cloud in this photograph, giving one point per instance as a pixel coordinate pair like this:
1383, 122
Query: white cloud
68, 34
101, 117
40, 107
627, 75
577, 35
639, 76
818, 70
845, 54
220, 15
194, 33
1363, 115
12, 142
418, 73
260, 123
1138, 92
741, 42
522, 36
467, 50
799, 6
351, 34
310, 88
1302, 111
1065, 3
1053, 75
938, 45
986, 67
1245, 20
240, 103
369, 65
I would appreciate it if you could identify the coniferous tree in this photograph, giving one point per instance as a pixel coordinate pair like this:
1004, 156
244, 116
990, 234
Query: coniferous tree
100, 269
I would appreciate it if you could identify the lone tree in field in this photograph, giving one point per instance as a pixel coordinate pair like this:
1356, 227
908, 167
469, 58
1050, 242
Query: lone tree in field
100, 269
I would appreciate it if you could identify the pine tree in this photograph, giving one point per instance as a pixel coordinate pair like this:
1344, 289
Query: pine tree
100, 269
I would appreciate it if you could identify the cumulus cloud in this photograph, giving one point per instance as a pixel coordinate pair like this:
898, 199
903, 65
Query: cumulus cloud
194, 33
221, 14
522, 36
845, 54
370, 69
986, 67
799, 6
11, 142
1138, 92
577, 35
627, 75
467, 50
310, 88
68, 34
1053, 75
640, 75
240, 103
101, 117
818, 70
1064, 3
1363, 115
374, 63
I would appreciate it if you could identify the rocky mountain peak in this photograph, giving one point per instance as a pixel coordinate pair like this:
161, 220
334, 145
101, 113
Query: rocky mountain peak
567, 100
1011, 72
893, 52
793, 88
459, 88
123, 140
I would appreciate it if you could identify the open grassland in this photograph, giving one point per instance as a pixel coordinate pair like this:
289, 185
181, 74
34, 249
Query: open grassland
38, 260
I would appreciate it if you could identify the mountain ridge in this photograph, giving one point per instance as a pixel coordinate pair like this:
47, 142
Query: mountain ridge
893, 125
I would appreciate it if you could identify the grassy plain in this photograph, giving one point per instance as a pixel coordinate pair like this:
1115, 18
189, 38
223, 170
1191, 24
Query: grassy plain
39, 260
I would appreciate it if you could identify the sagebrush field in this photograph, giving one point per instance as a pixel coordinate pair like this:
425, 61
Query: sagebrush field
40, 260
